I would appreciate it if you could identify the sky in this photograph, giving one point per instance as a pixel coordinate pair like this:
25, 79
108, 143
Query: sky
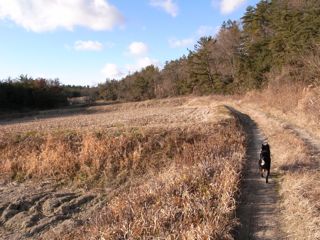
85, 42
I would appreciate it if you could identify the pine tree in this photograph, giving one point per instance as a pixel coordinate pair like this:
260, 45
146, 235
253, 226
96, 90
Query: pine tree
201, 76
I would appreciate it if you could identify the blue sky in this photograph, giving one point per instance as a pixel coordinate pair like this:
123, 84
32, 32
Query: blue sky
83, 42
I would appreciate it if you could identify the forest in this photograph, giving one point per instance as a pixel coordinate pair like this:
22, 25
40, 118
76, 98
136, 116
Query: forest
272, 38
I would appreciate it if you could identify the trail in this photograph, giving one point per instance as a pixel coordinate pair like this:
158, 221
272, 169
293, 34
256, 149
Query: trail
259, 210
258, 204
311, 141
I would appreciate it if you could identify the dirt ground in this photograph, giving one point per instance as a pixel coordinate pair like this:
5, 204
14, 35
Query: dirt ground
31, 209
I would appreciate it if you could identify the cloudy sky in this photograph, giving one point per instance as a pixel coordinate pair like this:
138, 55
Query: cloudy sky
83, 42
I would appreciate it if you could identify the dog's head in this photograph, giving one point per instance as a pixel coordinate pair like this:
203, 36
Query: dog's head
265, 147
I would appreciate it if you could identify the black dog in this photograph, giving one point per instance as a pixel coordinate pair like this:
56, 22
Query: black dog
265, 160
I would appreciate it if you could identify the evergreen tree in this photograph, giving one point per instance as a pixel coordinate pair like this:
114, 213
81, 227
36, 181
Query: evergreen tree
202, 79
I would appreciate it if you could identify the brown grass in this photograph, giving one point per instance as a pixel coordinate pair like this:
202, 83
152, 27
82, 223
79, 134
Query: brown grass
192, 197
172, 173
293, 101
301, 193
293, 159
299, 188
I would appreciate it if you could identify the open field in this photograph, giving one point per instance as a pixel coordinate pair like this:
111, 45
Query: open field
164, 168
160, 120
168, 169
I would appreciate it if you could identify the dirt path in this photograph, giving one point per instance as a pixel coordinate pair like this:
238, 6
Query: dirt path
259, 201
311, 141
259, 211
308, 138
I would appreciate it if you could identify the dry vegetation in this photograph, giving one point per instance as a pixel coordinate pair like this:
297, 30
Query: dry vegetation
293, 101
191, 197
283, 111
299, 188
169, 168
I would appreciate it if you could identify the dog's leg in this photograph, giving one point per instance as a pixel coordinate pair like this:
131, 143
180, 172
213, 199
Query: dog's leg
268, 173
261, 171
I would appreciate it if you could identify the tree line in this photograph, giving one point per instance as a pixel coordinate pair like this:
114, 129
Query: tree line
271, 36
27, 93
247, 54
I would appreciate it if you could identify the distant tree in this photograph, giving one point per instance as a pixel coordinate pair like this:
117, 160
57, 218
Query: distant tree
200, 63
28, 93
174, 79
256, 35
143, 83
109, 90
226, 57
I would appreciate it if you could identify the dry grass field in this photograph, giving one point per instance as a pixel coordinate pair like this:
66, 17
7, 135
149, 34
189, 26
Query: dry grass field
166, 169
290, 117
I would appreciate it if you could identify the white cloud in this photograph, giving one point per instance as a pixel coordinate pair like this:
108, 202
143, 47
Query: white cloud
88, 46
228, 6
167, 5
138, 49
138, 53
141, 63
207, 30
48, 15
112, 71
176, 43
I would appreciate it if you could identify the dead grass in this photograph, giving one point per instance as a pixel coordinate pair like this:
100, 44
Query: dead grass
112, 117
299, 189
193, 197
301, 194
293, 101
293, 157
168, 171
94, 154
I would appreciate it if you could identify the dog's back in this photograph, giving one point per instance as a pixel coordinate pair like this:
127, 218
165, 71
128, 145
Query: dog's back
265, 160
265, 154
